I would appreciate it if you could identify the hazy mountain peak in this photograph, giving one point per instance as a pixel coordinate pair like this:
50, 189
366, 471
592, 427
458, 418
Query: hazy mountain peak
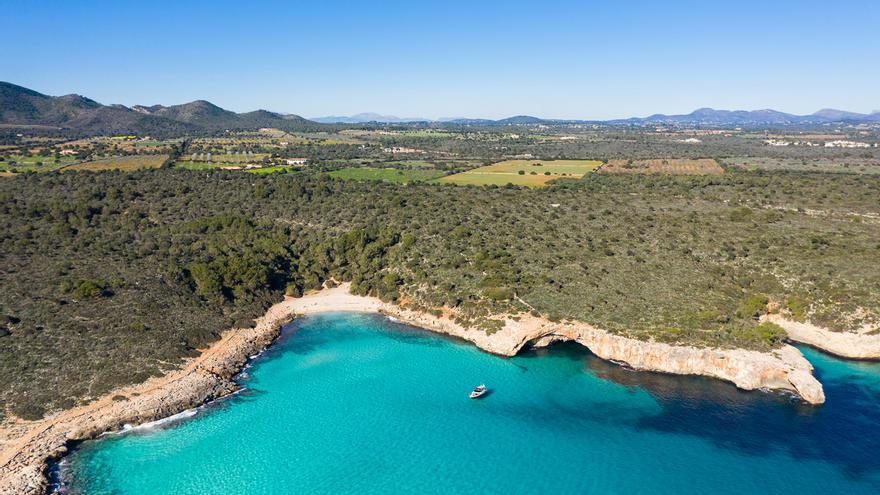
364, 117
834, 114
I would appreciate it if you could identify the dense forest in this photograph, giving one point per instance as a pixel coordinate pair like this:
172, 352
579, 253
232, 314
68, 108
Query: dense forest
111, 277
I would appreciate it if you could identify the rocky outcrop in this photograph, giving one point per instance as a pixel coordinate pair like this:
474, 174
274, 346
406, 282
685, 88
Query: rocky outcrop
782, 369
853, 345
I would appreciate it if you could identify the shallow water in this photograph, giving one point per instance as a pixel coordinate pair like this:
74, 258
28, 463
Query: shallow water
353, 403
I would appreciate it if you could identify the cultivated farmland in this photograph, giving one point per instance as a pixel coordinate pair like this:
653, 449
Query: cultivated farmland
191, 165
531, 173
242, 157
386, 174
134, 162
701, 166
850, 165
21, 163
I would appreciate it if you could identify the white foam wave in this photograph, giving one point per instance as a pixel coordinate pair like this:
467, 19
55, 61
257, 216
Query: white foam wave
155, 424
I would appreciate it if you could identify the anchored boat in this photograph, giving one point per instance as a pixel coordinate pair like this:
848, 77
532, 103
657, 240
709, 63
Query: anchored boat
478, 392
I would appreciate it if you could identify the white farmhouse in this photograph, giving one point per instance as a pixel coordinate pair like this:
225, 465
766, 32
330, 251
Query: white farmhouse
846, 144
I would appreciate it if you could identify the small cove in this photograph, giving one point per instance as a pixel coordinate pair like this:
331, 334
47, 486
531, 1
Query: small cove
356, 403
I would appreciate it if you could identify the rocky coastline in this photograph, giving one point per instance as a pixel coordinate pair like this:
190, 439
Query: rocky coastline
23, 464
24, 461
783, 369
864, 344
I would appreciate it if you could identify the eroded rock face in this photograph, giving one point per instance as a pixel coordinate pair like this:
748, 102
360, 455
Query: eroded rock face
783, 369
853, 345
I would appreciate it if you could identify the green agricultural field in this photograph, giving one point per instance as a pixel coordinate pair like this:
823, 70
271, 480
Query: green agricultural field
427, 133
191, 165
268, 170
20, 163
531, 173
155, 144
134, 162
421, 133
228, 157
386, 174
411, 164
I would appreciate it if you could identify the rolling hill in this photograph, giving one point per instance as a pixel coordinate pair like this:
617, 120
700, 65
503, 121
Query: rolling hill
78, 114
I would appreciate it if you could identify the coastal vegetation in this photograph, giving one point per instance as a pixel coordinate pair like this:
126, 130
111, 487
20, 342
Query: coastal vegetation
116, 276
168, 225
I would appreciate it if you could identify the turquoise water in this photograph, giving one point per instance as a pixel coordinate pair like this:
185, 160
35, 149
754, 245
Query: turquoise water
353, 403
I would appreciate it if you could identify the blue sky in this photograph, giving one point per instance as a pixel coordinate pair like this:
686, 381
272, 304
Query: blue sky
448, 59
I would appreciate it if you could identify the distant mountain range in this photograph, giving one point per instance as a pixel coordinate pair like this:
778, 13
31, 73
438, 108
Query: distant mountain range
363, 118
366, 118
22, 106
701, 117
712, 117
75, 113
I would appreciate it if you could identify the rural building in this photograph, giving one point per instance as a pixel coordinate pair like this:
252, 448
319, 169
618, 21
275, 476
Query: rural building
398, 149
297, 161
846, 144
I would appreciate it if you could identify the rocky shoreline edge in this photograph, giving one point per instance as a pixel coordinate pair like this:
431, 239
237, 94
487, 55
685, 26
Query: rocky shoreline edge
24, 461
850, 345
782, 369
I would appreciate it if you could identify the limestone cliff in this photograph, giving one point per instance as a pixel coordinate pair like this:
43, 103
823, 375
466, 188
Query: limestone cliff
782, 369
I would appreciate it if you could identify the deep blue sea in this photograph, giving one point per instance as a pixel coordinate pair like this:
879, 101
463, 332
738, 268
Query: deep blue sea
354, 403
